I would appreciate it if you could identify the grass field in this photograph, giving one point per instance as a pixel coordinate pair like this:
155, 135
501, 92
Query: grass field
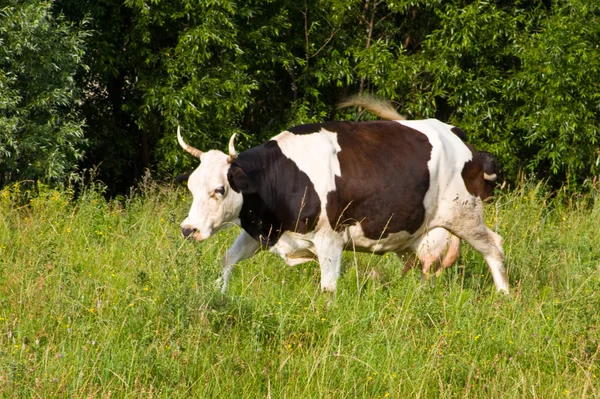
105, 299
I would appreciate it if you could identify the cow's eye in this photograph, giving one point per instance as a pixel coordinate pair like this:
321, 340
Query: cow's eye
220, 190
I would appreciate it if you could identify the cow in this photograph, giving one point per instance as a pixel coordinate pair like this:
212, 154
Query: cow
315, 190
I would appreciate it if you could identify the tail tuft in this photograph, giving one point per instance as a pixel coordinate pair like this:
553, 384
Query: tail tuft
379, 107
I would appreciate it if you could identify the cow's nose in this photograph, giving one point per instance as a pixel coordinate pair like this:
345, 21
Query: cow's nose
186, 231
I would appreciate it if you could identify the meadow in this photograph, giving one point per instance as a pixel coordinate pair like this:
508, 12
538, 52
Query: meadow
104, 299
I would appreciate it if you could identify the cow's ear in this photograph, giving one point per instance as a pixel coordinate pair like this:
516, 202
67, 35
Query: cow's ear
240, 181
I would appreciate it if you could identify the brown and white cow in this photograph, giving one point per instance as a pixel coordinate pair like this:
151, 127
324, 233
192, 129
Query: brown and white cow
318, 189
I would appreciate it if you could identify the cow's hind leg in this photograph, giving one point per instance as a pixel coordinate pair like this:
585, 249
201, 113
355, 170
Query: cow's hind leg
244, 247
409, 260
471, 227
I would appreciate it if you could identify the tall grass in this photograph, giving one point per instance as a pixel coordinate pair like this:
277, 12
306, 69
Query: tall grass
105, 299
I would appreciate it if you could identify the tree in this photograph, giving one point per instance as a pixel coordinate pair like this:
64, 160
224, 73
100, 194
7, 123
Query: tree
558, 96
154, 65
40, 127
521, 78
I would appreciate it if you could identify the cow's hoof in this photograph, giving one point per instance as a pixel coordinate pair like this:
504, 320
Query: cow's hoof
221, 285
328, 288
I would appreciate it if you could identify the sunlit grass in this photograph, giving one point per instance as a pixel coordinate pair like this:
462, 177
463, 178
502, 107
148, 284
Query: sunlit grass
105, 299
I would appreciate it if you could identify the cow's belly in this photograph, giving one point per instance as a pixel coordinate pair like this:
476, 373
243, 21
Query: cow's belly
296, 248
393, 242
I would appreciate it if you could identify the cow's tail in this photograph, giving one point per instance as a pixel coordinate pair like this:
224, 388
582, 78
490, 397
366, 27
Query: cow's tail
379, 107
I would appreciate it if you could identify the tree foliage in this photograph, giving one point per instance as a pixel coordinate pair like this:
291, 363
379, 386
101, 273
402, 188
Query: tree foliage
521, 78
41, 133
525, 83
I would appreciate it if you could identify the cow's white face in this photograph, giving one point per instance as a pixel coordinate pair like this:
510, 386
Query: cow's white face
215, 204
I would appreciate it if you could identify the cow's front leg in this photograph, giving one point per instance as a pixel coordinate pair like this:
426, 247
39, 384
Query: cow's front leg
329, 248
243, 248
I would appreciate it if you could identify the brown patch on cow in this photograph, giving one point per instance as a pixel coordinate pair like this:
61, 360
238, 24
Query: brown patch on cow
489, 165
384, 178
472, 175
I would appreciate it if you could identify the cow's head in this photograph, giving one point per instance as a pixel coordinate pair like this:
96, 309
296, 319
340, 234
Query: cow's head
215, 204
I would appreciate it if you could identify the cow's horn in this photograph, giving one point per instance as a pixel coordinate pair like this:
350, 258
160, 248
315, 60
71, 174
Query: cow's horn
491, 177
194, 151
232, 152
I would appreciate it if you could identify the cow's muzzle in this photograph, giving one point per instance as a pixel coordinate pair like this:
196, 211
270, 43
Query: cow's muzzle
186, 231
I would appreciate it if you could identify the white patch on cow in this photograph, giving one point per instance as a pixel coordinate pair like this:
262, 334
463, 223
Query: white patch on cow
448, 156
316, 155
212, 210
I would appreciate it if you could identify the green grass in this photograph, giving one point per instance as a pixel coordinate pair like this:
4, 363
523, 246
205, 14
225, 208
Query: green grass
105, 299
